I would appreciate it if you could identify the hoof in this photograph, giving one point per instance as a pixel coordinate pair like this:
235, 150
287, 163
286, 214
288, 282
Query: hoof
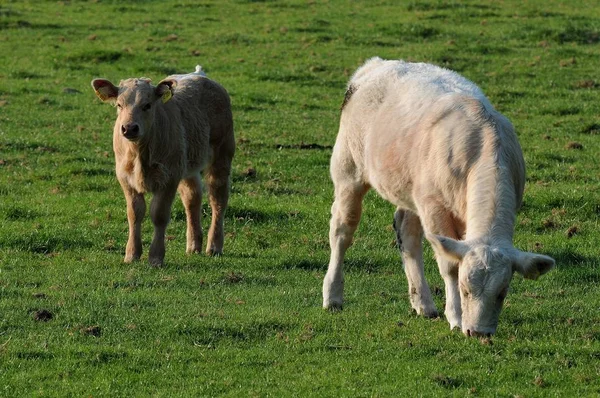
430, 313
214, 253
131, 259
333, 306
455, 325
156, 262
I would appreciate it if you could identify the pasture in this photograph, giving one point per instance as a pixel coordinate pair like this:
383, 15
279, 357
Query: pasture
75, 320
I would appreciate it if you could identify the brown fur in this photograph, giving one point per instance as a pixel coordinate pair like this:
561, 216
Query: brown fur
172, 144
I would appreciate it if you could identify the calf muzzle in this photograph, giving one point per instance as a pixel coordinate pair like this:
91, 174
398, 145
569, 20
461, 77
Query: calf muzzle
130, 131
474, 333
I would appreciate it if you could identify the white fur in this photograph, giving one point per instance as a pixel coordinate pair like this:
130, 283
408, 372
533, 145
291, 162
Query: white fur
428, 140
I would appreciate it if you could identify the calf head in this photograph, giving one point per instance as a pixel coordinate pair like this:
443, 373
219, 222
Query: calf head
484, 275
136, 101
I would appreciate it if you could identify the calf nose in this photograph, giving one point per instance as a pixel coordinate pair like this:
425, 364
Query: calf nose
130, 130
473, 333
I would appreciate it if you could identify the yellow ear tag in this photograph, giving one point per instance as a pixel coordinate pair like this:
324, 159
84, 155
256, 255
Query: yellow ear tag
167, 96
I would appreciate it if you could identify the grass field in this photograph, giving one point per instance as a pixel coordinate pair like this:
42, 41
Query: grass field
76, 321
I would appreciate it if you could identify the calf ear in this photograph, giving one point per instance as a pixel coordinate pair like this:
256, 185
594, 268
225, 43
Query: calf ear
531, 265
165, 88
451, 249
105, 90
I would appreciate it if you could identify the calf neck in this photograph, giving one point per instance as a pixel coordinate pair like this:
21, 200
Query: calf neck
428, 140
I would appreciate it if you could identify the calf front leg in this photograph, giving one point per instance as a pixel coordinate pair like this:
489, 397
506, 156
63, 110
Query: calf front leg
449, 272
345, 215
409, 234
136, 210
190, 191
160, 212
437, 220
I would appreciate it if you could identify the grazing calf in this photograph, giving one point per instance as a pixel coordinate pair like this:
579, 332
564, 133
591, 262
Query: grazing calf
164, 137
428, 140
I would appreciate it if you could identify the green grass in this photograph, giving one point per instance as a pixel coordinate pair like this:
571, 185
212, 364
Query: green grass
250, 323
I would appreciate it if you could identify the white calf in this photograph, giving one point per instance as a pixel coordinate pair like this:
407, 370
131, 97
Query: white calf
428, 140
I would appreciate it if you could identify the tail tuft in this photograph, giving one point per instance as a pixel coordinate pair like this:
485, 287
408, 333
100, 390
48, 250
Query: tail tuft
200, 71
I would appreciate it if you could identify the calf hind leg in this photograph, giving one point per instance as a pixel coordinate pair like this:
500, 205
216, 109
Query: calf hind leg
218, 195
409, 234
345, 216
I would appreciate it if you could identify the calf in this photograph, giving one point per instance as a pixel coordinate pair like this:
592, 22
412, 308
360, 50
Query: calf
164, 137
428, 140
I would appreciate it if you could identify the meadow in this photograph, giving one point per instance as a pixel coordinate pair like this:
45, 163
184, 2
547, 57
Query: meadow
76, 321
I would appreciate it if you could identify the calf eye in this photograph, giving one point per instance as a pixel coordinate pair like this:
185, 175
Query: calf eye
119, 106
146, 107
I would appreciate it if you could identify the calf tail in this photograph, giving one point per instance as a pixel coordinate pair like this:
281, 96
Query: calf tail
199, 71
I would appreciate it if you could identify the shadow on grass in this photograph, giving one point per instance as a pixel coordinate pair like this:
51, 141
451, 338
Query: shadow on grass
363, 264
44, 244
213, 335
569, 258
259, 216
240, 215
575, 268
21, 146
16, 213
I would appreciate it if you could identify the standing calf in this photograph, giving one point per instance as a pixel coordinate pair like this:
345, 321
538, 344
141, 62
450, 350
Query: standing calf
164, 137
428, 140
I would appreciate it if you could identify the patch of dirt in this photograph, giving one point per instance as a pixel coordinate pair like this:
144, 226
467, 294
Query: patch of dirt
485, 341
42, 315
71, 90
250, 172
572, 231
548, 223
234, 277
592, 129
589, 83
568, 62
574, 145
532, 295
445, 381
95, 331
538, 381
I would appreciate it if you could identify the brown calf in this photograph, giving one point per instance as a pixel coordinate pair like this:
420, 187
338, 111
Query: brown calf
164, 137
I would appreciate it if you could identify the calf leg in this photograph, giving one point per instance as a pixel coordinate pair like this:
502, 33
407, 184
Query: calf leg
190, 191
218, 195
437, 220
160, 212
410, 241
136, 210
345, 215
